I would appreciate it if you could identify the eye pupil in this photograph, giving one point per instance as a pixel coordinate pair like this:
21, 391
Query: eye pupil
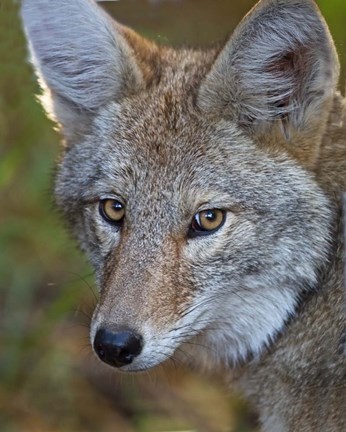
210, 215
117, 206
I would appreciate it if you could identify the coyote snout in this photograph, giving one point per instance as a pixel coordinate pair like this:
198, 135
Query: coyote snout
204, 187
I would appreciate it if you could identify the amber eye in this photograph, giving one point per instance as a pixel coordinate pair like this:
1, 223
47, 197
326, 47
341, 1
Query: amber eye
112, 211
206, 222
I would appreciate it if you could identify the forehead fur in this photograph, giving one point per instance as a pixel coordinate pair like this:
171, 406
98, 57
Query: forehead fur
159, 131
159, 137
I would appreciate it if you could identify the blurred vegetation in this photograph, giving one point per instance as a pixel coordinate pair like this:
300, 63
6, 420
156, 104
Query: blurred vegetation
49, 380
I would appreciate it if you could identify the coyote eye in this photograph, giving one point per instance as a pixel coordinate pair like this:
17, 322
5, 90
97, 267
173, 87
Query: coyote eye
113, 211
207, 222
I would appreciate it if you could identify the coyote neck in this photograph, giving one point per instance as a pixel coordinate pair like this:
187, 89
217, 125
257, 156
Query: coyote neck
299, 384
331, 169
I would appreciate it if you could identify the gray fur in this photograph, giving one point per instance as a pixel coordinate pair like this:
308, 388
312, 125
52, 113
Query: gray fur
205, 130
279, 63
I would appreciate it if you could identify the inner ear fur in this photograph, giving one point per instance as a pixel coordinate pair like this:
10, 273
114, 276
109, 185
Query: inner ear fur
146, 53
279, 70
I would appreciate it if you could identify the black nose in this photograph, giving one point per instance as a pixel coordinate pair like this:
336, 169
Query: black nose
117, 348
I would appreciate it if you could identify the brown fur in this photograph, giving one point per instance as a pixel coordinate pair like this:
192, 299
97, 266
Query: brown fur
303, 376
255, 128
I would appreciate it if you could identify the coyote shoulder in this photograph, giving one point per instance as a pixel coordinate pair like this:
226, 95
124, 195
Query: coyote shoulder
205, 188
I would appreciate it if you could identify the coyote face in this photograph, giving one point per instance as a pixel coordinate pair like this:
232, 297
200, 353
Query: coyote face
161, 275
188, 177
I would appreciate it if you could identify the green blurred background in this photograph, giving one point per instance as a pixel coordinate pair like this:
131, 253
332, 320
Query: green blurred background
49, 379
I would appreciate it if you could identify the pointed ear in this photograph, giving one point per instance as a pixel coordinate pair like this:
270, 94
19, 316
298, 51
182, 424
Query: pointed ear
82, 58
279, 66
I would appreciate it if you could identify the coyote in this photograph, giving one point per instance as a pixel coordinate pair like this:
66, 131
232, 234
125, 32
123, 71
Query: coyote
205, 188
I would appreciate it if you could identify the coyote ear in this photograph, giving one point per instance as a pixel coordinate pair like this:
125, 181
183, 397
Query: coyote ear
280, 64
81, 56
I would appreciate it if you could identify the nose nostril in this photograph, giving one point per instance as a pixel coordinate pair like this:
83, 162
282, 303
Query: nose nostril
118, 348
125, 353
100, 351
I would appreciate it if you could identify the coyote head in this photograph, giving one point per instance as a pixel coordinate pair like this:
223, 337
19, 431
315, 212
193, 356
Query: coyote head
188, 176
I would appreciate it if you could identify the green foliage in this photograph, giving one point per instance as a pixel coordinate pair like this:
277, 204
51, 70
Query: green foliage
335, 14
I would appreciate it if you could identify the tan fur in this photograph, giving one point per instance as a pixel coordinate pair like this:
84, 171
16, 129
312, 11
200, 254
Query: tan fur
255, 128
302, 378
